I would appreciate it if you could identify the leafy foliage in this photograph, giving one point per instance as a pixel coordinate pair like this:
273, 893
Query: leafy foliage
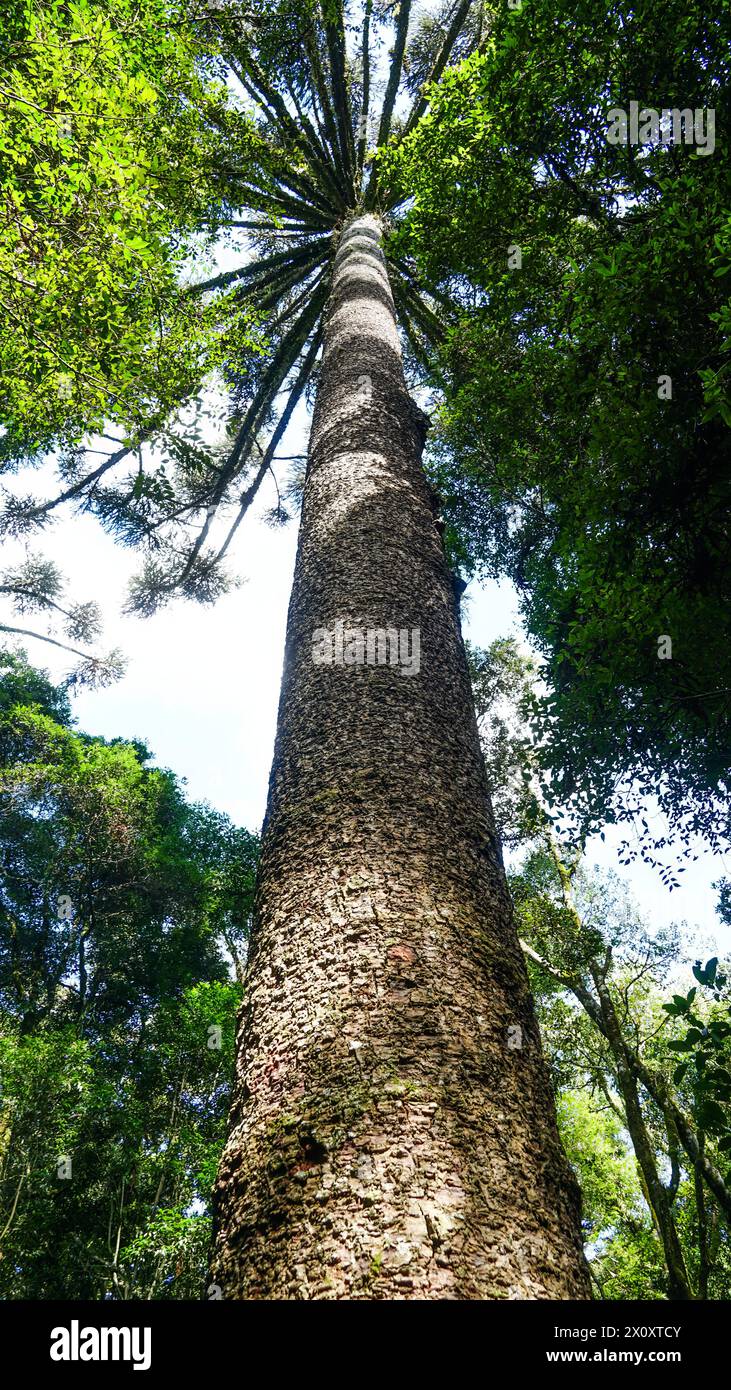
600, 958
625, 1259
122, 910
123, 170
108, 128
642, 1081
704, 1052
584, 448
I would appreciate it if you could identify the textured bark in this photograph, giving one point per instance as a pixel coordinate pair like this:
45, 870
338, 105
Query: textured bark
393, 1132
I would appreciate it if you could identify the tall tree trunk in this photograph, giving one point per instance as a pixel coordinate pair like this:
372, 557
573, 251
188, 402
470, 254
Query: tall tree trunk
393, 1132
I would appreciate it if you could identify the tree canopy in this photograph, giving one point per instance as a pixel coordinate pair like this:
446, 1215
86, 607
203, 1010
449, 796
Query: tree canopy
110, 121
148, 168
583, 449
636, 1030
563, 297
124, 915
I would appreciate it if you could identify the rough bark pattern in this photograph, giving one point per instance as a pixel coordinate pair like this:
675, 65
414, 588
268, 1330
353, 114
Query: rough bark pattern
393, 1130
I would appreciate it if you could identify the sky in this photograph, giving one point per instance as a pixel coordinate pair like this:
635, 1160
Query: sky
201, 686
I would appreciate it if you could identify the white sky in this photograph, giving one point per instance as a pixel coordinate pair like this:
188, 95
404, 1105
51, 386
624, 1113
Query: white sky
202, 684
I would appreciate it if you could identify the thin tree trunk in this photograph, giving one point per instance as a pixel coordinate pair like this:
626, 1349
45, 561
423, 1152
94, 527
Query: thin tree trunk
393, 1132
657, 1195
657, 1087
654, 1082
704, 1263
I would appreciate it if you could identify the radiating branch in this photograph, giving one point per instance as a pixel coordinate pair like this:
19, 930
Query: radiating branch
335, 35
392, 86
366, 89
284, 359
440, 62
269, 454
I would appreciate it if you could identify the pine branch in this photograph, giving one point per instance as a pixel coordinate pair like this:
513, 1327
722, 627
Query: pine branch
304, 188
425, 317
321, 95
269, 301
261, 200
316, 139
335, 36
366, 92
392, 86
284, 359
270, 452
106, 670
305, 137
440, 62
413, 333
258, 271
278, 283
81, 486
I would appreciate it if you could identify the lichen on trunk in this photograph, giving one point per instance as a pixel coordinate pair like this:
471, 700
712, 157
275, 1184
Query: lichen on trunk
393, 1131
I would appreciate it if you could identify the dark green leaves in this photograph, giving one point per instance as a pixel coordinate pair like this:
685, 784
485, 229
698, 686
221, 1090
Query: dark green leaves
584, 449
124, 912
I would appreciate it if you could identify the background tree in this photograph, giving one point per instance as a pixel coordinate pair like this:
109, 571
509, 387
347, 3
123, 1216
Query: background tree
625, 1257
109, 123
630, 1065
124, 911
584, 447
